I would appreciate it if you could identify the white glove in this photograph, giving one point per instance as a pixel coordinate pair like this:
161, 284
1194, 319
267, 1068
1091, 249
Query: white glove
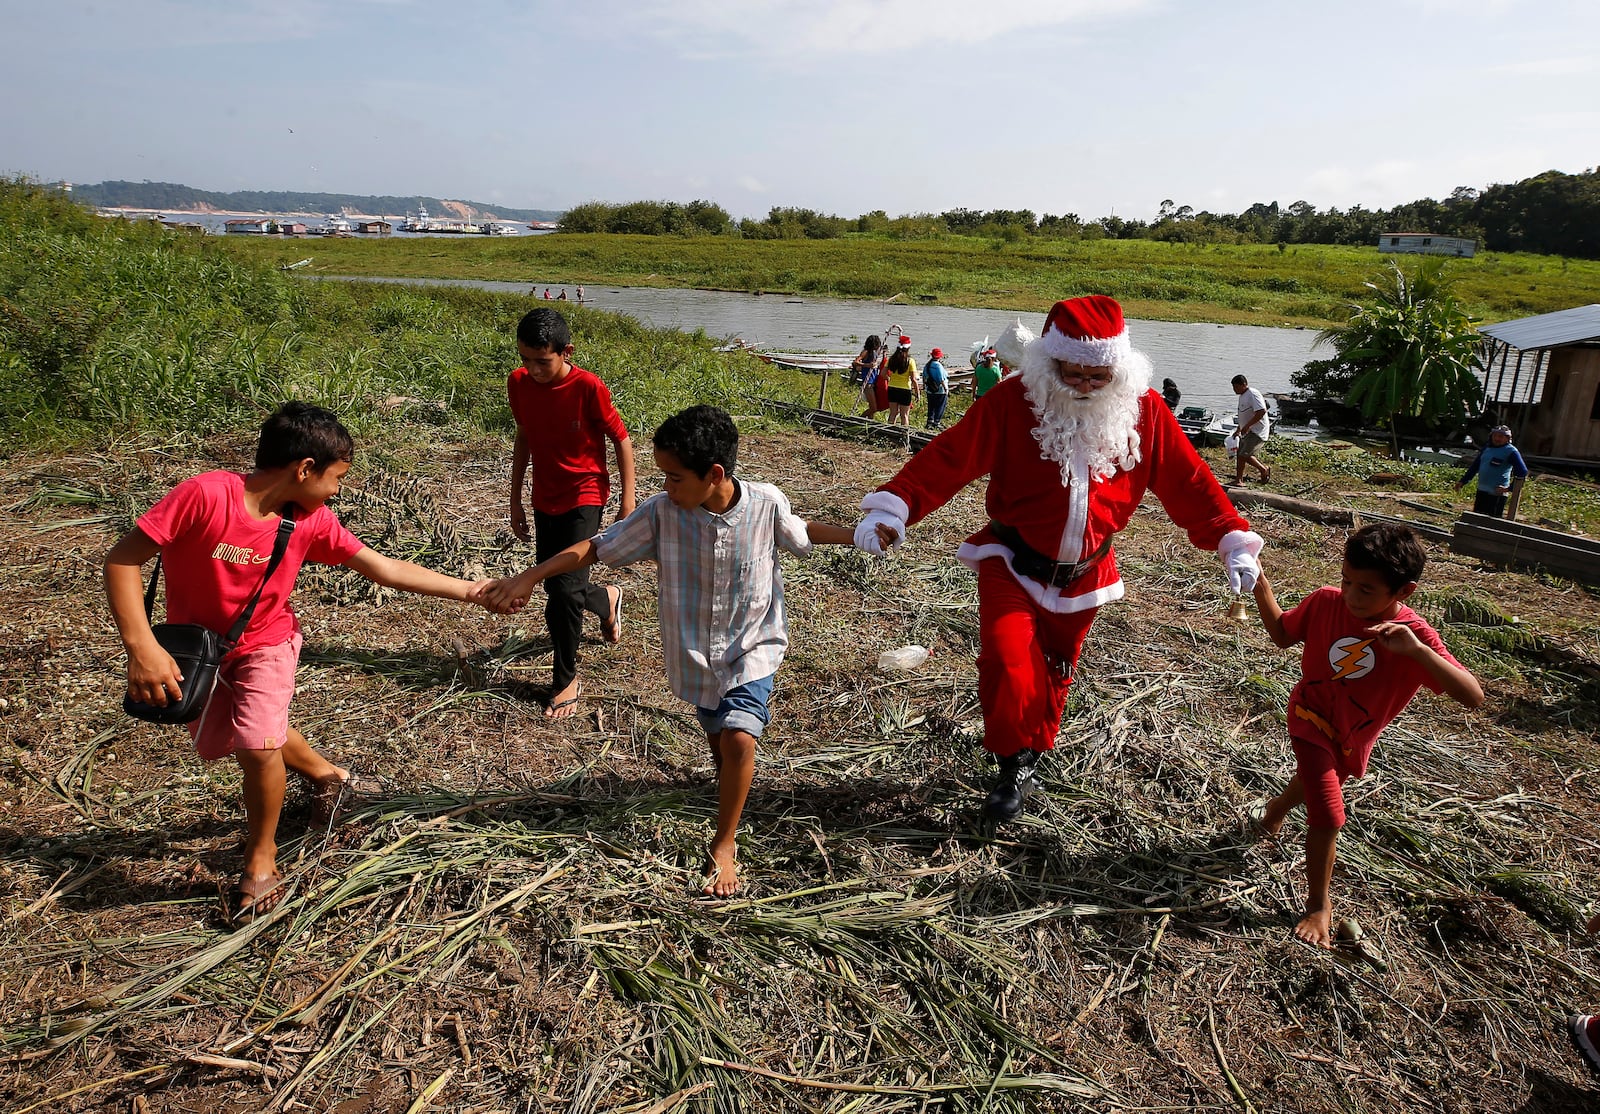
867, 531
1238, 550
884, 508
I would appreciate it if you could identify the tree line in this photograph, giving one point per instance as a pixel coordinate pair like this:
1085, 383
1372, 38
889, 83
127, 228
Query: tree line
1551, 213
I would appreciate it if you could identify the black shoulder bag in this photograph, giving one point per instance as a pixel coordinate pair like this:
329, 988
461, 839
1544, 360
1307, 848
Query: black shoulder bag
199, 650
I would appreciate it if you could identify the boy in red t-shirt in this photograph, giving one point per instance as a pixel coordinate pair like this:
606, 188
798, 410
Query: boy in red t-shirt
564, 418
1365, 656
215, 533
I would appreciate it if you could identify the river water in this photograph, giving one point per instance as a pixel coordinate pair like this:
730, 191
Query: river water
1201, 358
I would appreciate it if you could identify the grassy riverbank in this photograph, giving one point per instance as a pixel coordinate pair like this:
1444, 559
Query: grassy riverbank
1260, 285
504, 918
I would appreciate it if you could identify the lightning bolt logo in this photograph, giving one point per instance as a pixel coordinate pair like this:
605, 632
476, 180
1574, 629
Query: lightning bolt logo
1350, 658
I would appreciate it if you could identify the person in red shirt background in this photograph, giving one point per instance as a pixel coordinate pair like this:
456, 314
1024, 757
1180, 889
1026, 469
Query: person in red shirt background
564, 419
1366, 654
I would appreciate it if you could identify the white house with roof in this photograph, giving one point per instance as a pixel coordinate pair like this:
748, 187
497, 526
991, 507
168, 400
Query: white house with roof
1426, 243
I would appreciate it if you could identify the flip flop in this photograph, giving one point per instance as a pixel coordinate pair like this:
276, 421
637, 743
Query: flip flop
256, 896
612, 631
327, 793
551, 709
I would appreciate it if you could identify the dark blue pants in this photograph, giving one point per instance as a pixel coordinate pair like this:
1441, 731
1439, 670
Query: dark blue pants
937, 401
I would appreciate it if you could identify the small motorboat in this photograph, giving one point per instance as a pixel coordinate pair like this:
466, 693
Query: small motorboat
1220, 429
1193, 420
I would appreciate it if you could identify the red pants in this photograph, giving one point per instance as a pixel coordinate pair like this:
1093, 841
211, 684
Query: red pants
1025, 662
1322, 782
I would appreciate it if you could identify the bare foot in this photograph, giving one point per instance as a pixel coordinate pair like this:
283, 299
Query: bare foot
1316, 928
722, 872
1262, 824
611, 629
564, 703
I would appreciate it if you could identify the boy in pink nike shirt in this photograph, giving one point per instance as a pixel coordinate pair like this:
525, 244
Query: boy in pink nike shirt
1366, 654
215, 533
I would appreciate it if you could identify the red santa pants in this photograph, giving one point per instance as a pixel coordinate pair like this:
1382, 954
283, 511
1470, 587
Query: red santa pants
1026, 658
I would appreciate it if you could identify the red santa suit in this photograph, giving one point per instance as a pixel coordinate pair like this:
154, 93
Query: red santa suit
1049, 488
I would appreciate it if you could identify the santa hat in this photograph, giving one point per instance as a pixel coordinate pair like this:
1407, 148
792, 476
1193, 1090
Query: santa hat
1087, 331
905, 342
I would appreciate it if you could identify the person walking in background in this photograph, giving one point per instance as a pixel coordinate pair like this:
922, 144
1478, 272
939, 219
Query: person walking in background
864, 370
1254, 428
564, 418
937, 384
580, 295
1171, 395
1496, 467
904, 388
986, 374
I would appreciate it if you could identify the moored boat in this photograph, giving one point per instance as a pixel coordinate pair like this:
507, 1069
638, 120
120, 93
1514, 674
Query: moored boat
808, 361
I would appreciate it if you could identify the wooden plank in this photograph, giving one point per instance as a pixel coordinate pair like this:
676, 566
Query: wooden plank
1582, 565
1525, 530
1422, 529
1315, 512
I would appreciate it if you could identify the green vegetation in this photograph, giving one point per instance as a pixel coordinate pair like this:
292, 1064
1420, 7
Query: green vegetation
1553, 212
1310, 285
106, 326
1408, 351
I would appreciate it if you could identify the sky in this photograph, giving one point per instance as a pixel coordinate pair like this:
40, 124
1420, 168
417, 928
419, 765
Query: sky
1092, 107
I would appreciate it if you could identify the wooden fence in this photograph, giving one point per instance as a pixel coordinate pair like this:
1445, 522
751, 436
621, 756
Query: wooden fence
1516, 543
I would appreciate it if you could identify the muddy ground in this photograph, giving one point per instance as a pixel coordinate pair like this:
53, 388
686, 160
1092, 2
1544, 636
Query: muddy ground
504, 917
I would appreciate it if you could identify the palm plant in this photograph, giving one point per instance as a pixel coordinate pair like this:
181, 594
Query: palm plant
1410, 351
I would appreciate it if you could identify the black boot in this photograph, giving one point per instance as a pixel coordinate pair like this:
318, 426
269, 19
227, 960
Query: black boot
1012, 786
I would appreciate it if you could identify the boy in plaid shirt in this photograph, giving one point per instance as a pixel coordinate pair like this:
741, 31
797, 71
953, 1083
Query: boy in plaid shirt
723, 628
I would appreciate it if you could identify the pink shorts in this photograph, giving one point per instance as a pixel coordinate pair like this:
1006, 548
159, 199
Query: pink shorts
249, 708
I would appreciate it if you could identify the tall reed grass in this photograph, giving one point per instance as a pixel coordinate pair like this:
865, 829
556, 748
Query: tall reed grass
107, 326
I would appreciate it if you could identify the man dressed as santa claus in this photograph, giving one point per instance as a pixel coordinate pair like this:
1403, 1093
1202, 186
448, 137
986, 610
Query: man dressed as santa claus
1070, 445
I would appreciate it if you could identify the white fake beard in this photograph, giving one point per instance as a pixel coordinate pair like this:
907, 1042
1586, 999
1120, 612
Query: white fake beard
1100, 430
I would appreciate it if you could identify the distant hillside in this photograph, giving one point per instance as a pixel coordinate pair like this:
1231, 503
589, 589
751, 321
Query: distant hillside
173, 197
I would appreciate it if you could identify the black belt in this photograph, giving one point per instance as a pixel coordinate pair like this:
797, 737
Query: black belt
1036, 566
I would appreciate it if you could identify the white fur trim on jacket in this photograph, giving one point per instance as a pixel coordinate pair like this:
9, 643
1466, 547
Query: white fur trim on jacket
886, 501
1047, 596
1100, 352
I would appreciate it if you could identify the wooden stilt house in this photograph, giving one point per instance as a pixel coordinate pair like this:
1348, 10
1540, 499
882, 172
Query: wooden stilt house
1542, 378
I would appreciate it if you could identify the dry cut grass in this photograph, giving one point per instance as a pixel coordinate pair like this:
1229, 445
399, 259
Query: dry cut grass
505, 917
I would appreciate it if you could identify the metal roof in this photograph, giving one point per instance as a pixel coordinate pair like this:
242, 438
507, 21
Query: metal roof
1549, 330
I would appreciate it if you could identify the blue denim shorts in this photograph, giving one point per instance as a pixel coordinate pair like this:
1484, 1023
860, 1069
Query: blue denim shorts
743, 708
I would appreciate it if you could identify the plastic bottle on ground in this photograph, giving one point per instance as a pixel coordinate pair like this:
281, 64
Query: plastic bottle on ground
903, 660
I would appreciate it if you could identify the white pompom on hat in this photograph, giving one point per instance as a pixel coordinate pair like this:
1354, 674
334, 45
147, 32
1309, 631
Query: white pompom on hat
1009, 345
1088, 331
